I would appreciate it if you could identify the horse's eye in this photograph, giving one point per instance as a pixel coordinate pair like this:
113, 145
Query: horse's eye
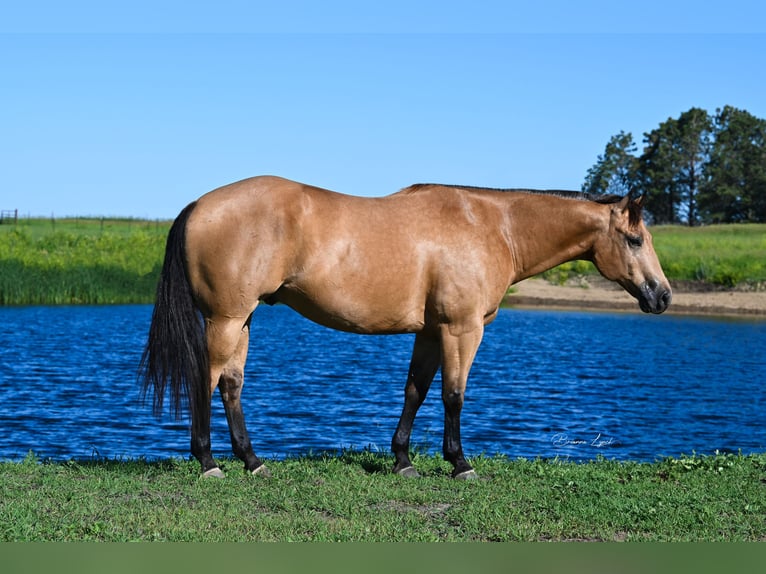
635, 240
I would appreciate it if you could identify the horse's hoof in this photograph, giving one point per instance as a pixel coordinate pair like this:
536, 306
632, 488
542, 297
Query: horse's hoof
214, 472
408, 472
466, 475
261, 471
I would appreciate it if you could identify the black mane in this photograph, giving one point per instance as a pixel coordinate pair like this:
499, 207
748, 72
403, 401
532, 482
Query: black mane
634, 206
567, 194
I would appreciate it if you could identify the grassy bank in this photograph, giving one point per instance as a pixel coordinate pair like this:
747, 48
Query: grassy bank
102, 261
79, 261
353, 497
718, 255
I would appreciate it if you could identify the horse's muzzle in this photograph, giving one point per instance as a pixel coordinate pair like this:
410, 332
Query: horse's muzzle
654, 297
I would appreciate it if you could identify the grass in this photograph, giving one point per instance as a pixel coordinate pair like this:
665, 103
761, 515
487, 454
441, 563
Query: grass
717, 255
353, 497
725, 255
80, 261
105, 261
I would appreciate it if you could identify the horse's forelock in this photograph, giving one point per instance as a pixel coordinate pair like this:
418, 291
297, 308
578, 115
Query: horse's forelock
635, 207
635, 211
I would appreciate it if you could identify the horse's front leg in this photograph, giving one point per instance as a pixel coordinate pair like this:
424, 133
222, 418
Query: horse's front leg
426, 356
459, 346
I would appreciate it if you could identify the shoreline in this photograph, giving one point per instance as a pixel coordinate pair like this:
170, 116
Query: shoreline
598, 294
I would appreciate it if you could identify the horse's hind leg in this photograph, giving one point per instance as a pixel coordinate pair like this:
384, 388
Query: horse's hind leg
426, 356
227, 341
230, 386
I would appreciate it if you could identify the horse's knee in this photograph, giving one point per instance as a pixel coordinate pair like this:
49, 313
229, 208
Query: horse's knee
453, 399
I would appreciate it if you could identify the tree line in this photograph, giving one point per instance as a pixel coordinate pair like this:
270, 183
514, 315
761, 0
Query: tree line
696, 169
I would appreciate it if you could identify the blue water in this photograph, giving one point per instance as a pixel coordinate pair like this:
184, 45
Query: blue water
567, 384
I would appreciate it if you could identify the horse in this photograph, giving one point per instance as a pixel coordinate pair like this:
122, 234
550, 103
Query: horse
433, 260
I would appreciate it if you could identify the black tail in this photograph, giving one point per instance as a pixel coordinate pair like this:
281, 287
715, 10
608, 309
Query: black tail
176, 352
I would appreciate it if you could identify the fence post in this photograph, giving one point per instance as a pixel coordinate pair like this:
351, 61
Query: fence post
6, 214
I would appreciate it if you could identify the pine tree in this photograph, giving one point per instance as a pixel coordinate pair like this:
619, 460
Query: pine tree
735, 187
671, 167
695, 169
615, 170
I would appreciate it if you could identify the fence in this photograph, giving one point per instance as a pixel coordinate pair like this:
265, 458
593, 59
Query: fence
9, 216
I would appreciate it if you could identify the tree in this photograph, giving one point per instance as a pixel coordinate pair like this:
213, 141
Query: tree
670, 170
735, 186
695, 128
615, 170
655, 175
695, 169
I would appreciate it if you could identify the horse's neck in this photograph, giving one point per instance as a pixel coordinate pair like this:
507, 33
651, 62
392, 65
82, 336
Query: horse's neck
546, 232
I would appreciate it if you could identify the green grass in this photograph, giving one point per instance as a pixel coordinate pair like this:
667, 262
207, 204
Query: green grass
353, 497
80, 261
717, 255
104, 261
725, 255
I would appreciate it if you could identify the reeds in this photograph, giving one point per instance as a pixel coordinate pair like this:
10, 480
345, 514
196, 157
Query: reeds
72, 262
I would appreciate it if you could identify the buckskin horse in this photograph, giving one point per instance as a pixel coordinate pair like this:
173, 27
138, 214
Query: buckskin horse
434, 260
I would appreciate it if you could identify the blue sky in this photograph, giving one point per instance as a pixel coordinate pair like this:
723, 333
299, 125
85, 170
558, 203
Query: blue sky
137, 111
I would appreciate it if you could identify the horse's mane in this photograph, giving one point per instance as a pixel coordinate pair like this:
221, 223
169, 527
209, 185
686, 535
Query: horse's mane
634, 207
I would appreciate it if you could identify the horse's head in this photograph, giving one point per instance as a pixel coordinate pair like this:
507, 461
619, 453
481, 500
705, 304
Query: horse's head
625, 254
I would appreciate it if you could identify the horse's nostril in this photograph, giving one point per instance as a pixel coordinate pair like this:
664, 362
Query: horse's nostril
653, 284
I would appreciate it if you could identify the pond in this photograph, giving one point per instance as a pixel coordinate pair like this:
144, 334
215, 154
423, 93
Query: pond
544, 384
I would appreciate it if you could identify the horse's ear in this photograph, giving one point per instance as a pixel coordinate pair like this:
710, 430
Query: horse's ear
640, 201
624, 203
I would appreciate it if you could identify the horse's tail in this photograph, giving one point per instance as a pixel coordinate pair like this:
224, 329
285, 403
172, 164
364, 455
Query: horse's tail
176, 352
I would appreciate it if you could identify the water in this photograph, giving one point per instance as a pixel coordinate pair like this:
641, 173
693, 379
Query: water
625, 386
